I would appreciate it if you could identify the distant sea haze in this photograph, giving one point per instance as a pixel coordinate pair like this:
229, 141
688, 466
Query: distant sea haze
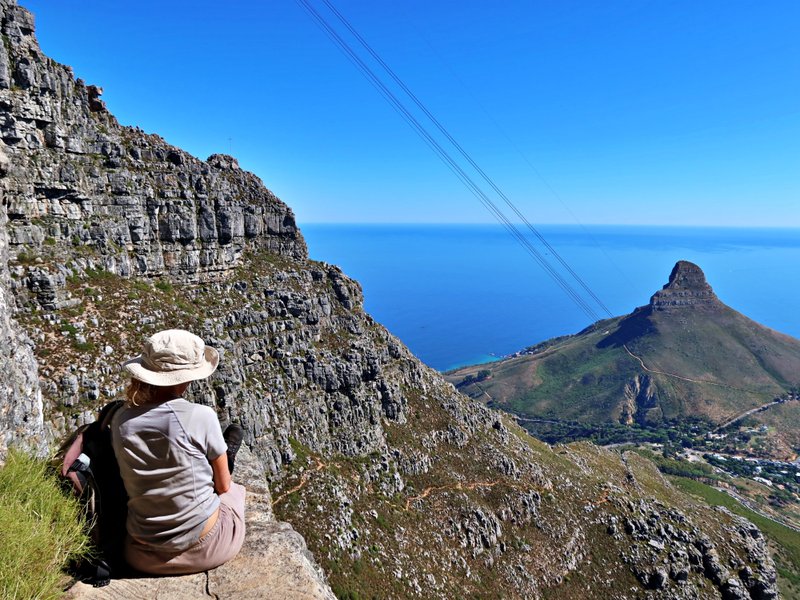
464, 294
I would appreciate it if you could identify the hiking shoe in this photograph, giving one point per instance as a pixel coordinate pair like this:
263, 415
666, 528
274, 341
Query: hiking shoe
233, 435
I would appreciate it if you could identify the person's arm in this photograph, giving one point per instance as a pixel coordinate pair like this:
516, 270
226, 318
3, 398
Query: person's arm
221, 475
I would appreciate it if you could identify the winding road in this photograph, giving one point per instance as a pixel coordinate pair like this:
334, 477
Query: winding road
748, 412
749, 505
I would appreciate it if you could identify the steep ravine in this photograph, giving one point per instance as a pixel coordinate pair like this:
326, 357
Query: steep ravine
401, 486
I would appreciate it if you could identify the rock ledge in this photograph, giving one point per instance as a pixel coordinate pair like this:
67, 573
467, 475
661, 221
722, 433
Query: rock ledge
273, 564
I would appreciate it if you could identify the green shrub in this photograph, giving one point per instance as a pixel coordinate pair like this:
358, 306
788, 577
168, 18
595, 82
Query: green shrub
69, 328
98, 274
41, 529
26, 258
84, 346
164, 286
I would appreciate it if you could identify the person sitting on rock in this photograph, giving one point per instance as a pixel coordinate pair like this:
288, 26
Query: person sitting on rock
185, 515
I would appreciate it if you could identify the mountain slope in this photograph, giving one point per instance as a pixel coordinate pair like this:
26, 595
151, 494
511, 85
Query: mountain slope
685, 354
401, 486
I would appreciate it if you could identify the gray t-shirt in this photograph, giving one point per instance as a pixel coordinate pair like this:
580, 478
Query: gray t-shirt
163, 451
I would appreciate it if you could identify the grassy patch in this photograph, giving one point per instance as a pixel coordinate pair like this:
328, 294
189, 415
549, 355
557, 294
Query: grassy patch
26, 258
164, 286
681, 468
69, 328
99, 274
301, 452
41, 529
344, 593
84, 346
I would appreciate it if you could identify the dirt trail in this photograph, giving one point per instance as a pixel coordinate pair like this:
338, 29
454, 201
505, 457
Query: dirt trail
465, 486
488, 395
458, 486
682, 378
641, 362
303, 481
602, 499
730, 387
306, 476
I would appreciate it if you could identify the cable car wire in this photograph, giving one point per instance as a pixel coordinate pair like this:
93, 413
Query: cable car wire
464, 153
445, 157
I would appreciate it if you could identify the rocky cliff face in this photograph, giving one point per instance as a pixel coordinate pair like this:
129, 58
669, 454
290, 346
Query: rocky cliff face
687, 287
401, 486
640, 404
21, 417
77, 180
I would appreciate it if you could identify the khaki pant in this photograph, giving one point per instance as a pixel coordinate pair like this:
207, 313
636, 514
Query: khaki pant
218, 546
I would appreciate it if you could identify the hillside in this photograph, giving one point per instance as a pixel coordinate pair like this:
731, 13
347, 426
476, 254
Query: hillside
683, 355
401, 486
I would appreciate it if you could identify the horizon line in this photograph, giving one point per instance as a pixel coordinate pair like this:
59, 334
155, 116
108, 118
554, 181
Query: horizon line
576, 225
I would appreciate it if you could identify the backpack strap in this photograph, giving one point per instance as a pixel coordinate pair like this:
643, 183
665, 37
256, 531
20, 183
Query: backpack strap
108, 412
68, 454
76, 466
79, 472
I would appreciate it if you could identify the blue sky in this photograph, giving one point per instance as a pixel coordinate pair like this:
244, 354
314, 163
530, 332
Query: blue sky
616, 112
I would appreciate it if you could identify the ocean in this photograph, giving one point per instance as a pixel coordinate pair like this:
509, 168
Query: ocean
465, 294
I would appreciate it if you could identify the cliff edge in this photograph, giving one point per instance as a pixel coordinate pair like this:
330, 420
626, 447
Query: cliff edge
274, 563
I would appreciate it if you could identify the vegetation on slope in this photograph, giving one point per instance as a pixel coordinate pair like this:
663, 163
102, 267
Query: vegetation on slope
784, 542
697, 364
41, 530
657, 406
569, 505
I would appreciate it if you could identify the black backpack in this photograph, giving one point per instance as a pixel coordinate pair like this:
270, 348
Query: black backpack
87, 460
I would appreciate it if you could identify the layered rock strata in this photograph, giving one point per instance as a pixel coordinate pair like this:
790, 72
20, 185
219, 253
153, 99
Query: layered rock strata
687, 287
79, 180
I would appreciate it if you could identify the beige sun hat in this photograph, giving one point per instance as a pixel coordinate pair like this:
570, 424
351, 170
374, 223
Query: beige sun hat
171, 357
